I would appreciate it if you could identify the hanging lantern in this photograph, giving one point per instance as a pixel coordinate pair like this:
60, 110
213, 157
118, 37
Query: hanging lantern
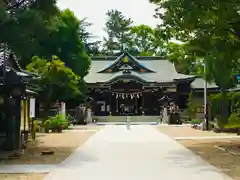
137, 95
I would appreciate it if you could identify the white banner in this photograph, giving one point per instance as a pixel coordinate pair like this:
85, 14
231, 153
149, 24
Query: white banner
32, 108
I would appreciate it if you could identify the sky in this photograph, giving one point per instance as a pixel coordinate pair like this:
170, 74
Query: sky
141, 11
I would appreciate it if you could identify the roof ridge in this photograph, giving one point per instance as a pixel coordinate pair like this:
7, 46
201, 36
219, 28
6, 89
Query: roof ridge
140, 58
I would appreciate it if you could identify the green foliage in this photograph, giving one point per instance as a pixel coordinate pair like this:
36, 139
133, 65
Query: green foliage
192, 107
58, 120
21, 28
185, 62
92, 47
211, 30
66, 40
118, 31
234, 120
195, 121
143, 40
43, 30
139, 40
57, 82
219, 103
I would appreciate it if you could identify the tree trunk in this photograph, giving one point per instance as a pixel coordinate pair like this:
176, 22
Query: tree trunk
47, 105
46, 110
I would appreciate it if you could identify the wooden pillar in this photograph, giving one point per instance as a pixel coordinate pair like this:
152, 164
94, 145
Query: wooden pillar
136, 105
117, 110
110, 103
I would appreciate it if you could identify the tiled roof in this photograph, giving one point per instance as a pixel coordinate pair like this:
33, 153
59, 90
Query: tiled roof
198, 83
164, 71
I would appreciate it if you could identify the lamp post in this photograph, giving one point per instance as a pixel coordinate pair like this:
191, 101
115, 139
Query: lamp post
205, 100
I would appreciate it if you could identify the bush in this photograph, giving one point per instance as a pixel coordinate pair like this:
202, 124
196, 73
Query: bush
58, 122
192, 107
195, 121
234, 120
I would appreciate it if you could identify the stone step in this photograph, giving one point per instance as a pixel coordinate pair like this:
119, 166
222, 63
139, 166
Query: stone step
123, 118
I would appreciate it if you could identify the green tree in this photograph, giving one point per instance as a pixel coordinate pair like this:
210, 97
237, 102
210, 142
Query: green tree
65, 41
91, 47
24, 22
192, 107
117, 28
186, 62
56, 81
211, 29
31, 32
143, 40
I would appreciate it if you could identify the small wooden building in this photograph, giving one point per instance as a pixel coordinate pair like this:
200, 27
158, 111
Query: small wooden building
14, 101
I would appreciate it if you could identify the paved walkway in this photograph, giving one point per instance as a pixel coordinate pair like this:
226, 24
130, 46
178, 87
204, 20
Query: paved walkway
142, 153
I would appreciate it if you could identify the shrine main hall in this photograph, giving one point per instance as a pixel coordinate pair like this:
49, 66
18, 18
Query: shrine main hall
136, 83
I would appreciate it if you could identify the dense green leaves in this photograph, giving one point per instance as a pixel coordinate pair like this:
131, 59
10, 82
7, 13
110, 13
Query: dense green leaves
56, 81
122, 34
118, 30
210, 28
143, 39
65, 41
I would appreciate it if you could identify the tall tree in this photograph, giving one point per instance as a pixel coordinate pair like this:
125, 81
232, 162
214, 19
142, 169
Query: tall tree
185, 62
65, 41
118, 31
22, 23
143, 39
92, 47
56, 81
212, 30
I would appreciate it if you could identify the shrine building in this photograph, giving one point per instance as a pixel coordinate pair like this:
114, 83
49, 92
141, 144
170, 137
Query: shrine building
136, 83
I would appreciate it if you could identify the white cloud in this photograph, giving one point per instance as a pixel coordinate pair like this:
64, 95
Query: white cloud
141, 11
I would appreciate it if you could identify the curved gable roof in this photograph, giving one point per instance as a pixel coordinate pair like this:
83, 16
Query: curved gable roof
131, 76
119, 60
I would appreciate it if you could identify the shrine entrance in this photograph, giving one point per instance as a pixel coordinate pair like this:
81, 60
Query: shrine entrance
126, 98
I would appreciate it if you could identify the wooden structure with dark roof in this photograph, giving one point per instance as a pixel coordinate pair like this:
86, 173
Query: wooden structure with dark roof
135, 84
14, 104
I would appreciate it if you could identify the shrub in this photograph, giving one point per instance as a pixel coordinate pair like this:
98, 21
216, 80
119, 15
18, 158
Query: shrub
58, 121
195, 121
192, 107
234, 120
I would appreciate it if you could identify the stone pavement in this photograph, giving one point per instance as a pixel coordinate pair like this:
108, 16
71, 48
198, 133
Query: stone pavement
142, 153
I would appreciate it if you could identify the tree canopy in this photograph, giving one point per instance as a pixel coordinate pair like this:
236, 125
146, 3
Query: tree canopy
210, 30
43, 30
56, 81
138, 39
65, 41
38, 28
117, 28
22, 25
